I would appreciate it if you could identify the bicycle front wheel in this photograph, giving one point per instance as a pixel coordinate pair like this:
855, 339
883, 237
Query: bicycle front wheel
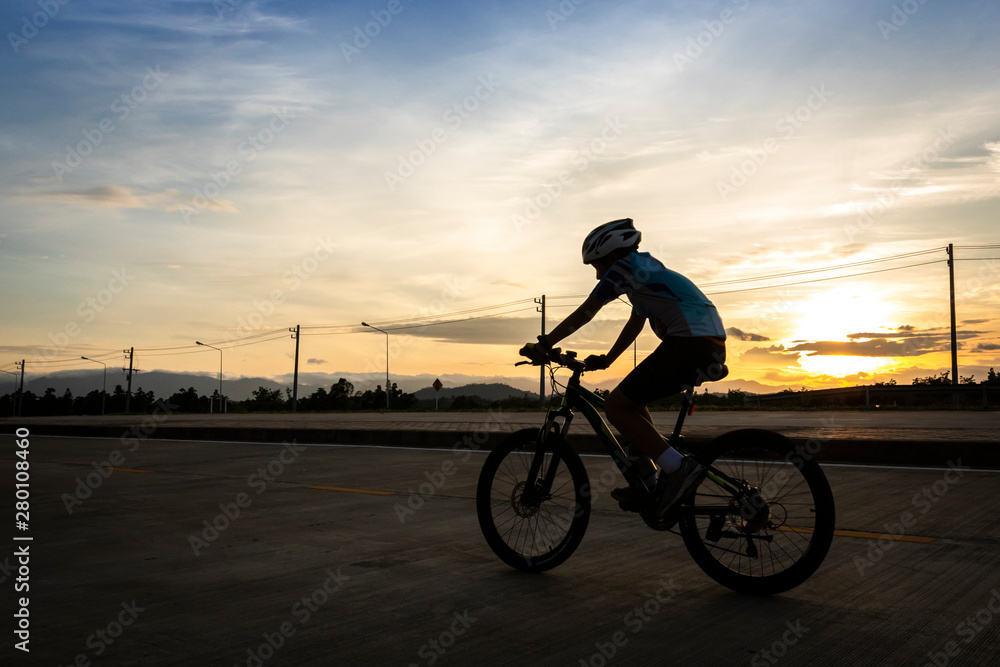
775, 532
533, 523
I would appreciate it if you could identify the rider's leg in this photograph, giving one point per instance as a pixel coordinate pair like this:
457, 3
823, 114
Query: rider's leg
635, 423
670, 368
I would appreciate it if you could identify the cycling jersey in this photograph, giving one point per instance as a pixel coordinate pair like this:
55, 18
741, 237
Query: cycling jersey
672, 303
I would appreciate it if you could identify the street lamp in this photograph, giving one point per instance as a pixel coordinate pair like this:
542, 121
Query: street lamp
365, 324
221, 404
104, 387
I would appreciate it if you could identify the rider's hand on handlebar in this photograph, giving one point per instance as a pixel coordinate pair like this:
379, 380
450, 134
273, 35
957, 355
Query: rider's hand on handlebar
596, 362
534, 352
528, 350
539, 352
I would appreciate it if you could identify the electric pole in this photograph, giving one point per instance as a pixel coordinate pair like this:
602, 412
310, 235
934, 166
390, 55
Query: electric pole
20, 392
128, 389
954, 328
541, 373
296, 333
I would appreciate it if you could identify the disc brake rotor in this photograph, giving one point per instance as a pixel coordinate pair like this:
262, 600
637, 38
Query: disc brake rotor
523, 502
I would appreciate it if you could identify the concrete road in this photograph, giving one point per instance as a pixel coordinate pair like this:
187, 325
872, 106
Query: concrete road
373, 556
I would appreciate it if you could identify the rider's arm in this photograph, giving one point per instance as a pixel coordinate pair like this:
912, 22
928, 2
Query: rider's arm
629, 333
575, 320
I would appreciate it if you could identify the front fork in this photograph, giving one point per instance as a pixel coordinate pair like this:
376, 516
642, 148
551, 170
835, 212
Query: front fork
536, 490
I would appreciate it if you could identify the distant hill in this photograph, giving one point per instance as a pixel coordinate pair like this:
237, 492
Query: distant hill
165, 383
489, 392
162, 383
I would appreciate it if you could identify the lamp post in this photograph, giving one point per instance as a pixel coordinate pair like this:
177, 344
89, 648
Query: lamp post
365, 324
104, 387
221, 404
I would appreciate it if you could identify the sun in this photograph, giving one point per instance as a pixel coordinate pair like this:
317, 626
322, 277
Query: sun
834, 315
839, 365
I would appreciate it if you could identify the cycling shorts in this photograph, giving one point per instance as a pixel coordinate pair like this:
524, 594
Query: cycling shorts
677, 363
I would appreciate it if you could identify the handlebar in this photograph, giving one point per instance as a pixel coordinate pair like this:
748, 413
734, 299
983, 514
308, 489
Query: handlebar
555, 355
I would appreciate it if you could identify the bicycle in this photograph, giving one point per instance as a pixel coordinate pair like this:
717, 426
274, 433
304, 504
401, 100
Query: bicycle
760, 522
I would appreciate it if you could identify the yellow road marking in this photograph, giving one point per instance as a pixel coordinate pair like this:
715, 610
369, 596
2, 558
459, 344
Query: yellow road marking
368, 491
863, 535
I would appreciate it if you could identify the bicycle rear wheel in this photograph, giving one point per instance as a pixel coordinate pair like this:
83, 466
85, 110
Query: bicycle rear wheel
533, 524
775, 532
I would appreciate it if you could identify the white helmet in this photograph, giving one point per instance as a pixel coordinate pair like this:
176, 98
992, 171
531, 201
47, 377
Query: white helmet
609, 237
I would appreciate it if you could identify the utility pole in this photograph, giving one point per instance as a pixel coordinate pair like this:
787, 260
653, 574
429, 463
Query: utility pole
296, 332
954, 328
128, 390
541, 372
20, 392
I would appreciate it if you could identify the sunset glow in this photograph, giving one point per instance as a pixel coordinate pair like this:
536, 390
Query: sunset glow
226, 171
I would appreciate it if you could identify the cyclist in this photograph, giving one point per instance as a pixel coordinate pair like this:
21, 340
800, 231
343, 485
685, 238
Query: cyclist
692, 349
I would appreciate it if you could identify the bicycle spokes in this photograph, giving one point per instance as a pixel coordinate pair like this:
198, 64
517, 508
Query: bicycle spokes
760, 523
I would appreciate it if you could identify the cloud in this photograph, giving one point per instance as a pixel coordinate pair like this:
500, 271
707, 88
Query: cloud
872, 348
739, 334
779, 351
316, 362
493, 330
906, 341
115, 196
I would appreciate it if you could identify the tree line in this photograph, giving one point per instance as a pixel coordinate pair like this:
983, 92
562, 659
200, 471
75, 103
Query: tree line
340, 396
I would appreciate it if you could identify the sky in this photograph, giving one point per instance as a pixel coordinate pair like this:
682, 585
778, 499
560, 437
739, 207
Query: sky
221, 171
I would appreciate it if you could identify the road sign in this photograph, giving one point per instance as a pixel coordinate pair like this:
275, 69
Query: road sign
437, 385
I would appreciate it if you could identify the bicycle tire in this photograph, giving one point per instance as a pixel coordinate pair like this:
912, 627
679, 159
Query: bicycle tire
532, 534
799, 518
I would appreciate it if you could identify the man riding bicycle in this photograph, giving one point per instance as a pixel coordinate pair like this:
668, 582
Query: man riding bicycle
692, 349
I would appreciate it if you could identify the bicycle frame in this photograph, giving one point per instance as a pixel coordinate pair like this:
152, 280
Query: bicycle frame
577, 397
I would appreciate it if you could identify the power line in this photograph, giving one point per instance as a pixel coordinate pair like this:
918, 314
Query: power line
276, 334
421, 325
148, 350
817, 280
421, 318
467, 319
823, 269
788, 274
